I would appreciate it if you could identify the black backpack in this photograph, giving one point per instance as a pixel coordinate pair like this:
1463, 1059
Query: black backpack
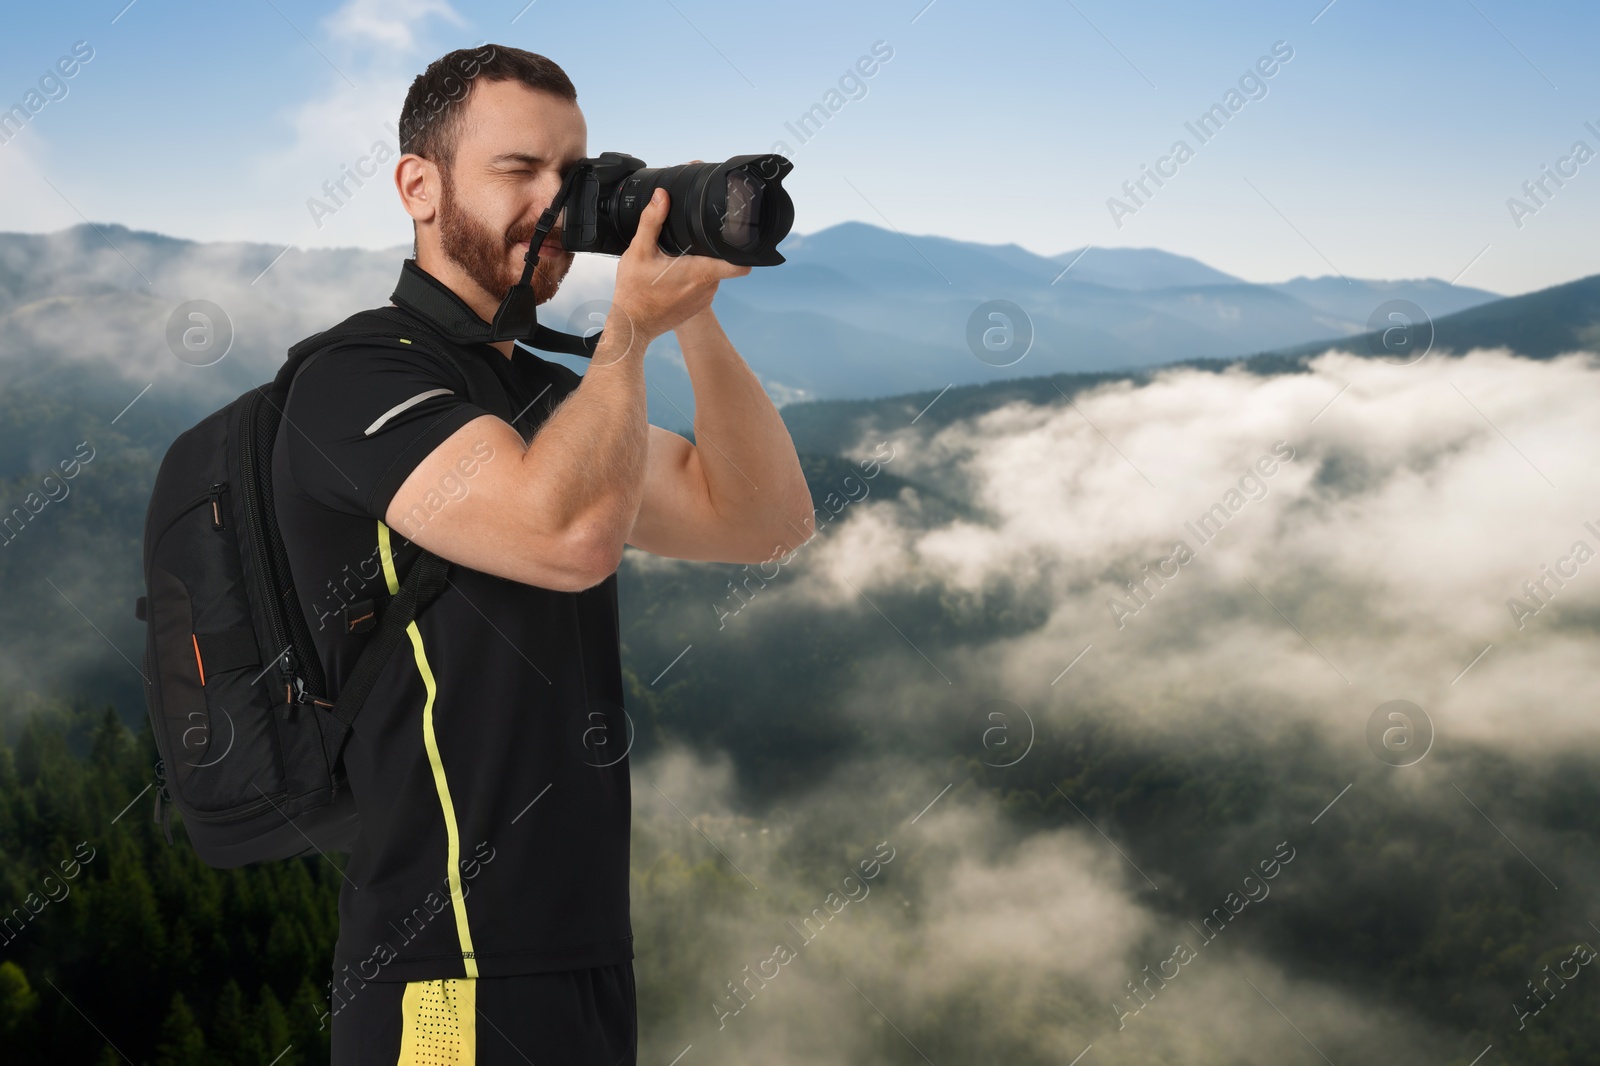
250, 744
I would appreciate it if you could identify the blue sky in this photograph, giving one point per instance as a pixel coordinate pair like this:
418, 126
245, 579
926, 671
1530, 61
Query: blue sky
1388, 145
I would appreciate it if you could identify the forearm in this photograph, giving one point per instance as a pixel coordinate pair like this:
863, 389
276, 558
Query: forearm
594, 446
752, 474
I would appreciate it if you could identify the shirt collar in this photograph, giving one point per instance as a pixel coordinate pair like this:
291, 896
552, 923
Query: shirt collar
426, 296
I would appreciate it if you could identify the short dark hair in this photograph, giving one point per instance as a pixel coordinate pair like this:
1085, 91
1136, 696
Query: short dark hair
430, 119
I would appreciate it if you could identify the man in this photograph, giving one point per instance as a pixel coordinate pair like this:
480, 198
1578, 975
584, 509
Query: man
490, 881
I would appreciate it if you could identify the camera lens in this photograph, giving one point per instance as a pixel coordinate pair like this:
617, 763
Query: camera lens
741, 226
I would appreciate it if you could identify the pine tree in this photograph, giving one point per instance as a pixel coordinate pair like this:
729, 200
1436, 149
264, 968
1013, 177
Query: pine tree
19, 1005
273, 1025
111, 743
234, 1037
182, 1042
309, 1023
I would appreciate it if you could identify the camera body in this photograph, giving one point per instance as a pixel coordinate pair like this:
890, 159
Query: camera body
736, 210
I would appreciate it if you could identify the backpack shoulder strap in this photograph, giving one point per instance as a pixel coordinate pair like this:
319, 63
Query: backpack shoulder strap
428, 575
422, 585
392, 322
376, 322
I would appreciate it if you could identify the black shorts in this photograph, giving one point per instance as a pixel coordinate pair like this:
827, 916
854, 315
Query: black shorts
568, 1018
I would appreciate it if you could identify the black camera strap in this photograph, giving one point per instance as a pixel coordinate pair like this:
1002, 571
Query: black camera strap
518, 315
517, 318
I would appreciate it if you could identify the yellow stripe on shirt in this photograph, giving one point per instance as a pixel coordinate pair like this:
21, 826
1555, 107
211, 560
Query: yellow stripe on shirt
453, 834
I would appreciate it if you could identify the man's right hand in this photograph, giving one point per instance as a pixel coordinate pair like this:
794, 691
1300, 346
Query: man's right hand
557, 510
657, 291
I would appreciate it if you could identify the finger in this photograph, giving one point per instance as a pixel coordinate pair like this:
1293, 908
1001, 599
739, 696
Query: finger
708, 266
724, 269
650, 221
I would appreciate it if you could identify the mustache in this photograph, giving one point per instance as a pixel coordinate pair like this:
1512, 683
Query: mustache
516, 237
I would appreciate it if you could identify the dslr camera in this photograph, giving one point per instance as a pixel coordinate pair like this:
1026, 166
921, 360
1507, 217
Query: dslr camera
736, 210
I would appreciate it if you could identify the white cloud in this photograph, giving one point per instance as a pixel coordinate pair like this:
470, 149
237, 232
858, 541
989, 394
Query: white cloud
378, 50
1415, 506
23, 162
997, 943
387, 23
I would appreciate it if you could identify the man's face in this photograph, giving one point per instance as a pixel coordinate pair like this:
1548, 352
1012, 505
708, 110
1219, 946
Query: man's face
514, 147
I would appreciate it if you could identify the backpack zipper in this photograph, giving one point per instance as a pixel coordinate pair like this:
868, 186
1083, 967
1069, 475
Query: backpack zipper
252, 517
165, 804
214, 493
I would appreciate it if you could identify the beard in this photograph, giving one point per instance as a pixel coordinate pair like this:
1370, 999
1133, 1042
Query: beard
487, 257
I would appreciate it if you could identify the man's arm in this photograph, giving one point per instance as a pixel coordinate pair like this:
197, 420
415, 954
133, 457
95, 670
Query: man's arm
557, 512
737, 495
541, 513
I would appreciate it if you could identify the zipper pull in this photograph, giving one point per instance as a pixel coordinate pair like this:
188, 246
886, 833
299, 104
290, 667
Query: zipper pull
163, 812
161, 789
217, 521
288, 666
299, 694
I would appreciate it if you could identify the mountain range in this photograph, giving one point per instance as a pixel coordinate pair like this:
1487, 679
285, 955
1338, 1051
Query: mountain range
856, 312
1539, 325
859, 311
84, 357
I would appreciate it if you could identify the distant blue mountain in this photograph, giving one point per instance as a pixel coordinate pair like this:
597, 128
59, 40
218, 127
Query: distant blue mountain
1139, 268
906, 300
1353, 300
855, 312
1537, 325
890, 262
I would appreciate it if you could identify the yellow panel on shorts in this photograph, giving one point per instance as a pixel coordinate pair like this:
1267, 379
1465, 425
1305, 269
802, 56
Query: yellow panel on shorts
439, 1023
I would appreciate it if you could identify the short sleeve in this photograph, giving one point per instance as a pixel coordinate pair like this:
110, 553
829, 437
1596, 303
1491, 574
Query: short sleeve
360, 417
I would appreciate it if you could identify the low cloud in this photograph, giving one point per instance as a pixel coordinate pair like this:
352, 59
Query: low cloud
977, 939
1377, 563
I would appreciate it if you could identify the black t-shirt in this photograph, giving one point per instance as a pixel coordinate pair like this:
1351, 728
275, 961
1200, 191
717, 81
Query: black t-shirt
489, 763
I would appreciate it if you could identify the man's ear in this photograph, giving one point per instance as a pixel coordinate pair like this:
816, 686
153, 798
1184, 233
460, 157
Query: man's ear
417, 180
